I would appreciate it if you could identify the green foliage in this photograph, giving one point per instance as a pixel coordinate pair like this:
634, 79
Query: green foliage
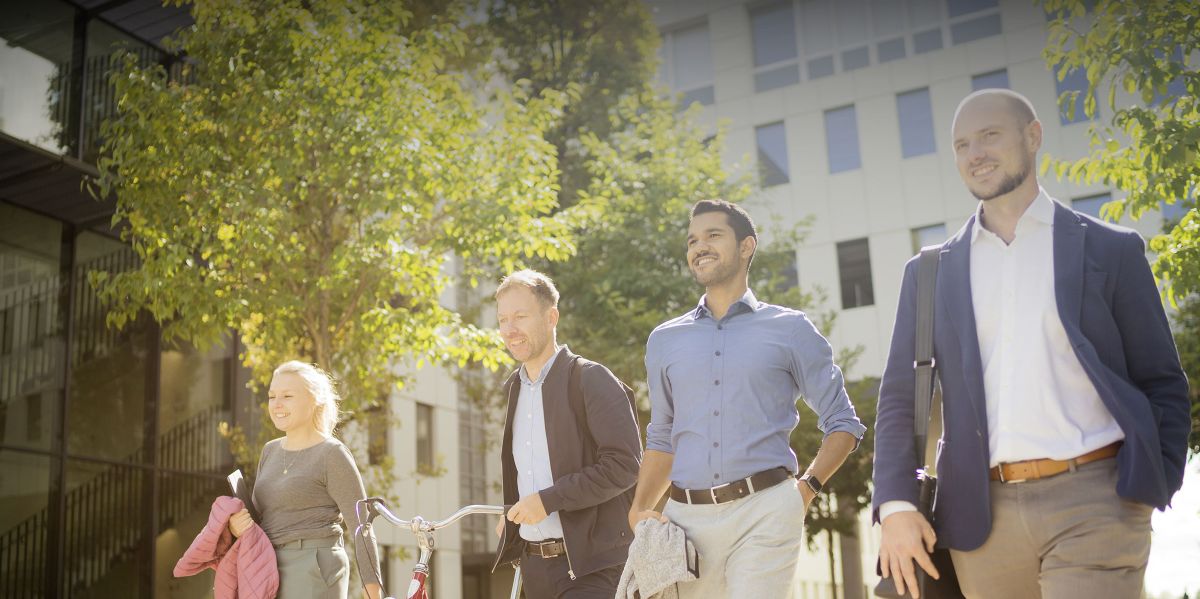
1132, 52
630, 274
307, 180
849, 491
1187, 339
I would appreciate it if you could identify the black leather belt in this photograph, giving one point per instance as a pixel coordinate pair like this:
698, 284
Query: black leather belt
732, 490
546, 549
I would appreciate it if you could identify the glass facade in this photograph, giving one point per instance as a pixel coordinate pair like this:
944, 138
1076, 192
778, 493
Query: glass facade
109, 450
37, 46
110, 453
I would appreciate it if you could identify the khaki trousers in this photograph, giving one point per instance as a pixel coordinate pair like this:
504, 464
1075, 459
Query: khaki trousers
748, 547
1061, 537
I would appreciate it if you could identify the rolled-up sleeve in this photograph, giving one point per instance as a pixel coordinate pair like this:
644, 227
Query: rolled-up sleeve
662, 407
821, 382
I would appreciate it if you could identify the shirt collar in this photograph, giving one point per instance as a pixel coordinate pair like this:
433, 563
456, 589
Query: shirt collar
748, 299
545, 368
1041, 210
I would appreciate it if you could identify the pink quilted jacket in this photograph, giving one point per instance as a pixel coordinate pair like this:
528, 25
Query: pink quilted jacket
245, 566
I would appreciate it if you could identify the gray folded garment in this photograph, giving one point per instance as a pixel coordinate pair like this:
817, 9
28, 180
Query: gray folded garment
660, 557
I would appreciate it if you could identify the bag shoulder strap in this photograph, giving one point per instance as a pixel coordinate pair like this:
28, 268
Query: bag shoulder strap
927, 267
575, 396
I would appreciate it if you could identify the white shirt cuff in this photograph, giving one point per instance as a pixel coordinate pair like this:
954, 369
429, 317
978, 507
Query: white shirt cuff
894, 507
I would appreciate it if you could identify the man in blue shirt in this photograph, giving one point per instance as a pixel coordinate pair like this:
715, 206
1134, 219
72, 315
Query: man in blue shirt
724, 378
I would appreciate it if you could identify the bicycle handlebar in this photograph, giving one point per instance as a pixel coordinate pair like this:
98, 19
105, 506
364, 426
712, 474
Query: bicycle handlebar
377, 506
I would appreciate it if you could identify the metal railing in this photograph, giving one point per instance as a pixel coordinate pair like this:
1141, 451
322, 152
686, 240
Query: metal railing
105, 516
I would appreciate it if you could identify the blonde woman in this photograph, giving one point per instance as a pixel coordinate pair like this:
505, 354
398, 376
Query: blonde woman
306, 488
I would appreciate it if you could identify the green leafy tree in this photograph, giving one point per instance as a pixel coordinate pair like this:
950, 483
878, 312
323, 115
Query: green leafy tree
598, 50
1187, 339
307, 180
1151, 148
630, 274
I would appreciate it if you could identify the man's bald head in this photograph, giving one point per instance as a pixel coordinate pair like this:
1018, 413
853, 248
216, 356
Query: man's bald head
1012, 102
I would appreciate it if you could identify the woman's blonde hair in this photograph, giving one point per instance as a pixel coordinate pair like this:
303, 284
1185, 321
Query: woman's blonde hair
320, 384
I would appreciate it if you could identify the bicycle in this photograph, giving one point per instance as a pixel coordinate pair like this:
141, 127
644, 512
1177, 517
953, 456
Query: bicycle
367, 510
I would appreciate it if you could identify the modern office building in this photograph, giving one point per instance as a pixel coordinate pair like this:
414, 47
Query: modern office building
844, 109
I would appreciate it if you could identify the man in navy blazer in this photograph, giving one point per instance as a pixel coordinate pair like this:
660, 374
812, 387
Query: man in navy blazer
1065, 409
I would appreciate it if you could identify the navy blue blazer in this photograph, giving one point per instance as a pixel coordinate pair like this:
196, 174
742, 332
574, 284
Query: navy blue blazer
1114, 318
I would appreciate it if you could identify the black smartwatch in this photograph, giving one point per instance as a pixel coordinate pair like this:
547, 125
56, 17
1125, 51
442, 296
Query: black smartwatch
813, 483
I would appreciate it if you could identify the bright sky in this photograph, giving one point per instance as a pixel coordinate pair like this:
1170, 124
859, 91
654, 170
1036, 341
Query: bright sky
1175, 548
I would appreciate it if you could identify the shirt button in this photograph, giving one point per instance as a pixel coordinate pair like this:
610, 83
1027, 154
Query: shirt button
720, 326
717, 382
716, 444
718, 353
716, 476
716, 412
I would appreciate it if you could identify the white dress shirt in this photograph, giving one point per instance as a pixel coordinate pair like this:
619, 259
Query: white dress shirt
531, 454
1040, 402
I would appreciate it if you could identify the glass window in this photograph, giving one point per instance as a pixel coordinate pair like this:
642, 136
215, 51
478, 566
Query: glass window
927, 236
1090, 205
774, 29
841, 139
772, 154
856, 58
973, 29
1074, 81
691, 64
24, 516
103, 45
108, 366
887, 16
104, 526
472, 463
31, 327
891, 50
927, 41
778, 77
916, 123
35, 66
853, 27
958, 8
854, 270
425, 455
994, 79
820, 67
922, 13
817, 36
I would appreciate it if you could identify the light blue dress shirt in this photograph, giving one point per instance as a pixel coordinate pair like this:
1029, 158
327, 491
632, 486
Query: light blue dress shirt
723, 393
531, 451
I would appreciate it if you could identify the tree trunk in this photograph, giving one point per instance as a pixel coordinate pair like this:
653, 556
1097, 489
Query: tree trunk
832, 566
852, 574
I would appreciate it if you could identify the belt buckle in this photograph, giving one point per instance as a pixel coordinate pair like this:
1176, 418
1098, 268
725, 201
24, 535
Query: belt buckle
1004, 481
712, 491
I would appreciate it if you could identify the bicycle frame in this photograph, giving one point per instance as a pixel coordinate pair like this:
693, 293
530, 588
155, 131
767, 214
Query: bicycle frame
368, 509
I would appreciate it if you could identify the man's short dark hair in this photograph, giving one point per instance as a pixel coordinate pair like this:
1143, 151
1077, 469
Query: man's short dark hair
742, 226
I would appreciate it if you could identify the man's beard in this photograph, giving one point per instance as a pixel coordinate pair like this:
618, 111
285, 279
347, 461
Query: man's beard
722, 273
1007, 185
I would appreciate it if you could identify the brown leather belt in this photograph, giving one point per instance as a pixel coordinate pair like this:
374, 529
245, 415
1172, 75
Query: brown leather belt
732, 490
1015, 472
546, 549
